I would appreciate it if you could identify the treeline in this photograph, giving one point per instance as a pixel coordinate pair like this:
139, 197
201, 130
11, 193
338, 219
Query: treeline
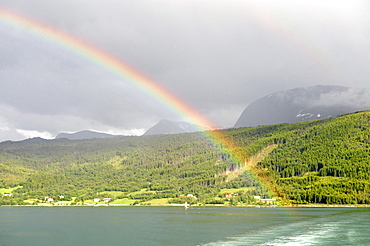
328, 162
168, 164
325, 161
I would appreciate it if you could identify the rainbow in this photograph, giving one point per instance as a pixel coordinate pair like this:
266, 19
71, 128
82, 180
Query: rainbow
106, 61
116, 67
126, 74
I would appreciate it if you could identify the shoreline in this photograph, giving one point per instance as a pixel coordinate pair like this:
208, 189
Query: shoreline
205, 205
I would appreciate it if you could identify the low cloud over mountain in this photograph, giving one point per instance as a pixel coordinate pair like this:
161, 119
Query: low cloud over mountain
304, 104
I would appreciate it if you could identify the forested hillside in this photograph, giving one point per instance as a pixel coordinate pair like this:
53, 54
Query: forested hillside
164, 166
325, 161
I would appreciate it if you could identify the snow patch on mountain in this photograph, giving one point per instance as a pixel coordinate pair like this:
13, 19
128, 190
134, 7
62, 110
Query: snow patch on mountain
306, 103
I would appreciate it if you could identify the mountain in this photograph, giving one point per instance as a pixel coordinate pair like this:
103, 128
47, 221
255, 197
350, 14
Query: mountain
171, 127
324, 161
84, 135
304, 104
34, 140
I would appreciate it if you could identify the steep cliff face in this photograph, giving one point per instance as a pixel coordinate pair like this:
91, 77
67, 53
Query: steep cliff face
304, 104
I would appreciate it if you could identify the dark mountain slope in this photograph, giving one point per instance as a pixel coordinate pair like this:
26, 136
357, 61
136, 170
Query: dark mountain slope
83, 135
171, 127
304, 104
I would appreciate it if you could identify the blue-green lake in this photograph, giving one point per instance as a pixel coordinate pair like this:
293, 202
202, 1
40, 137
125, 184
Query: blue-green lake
209, 226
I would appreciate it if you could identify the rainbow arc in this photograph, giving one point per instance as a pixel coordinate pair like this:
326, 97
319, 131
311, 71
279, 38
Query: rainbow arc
126, 73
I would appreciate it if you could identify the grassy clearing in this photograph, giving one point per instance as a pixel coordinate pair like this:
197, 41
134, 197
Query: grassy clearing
92, 202
235, 191
162, 201
116, 162
111, 193
31, 201
9, 190
141, 191
5, 190
124, 201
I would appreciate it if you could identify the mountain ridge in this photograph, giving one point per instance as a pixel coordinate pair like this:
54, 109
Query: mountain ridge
304, 104
85, 134
323, 161
164, 127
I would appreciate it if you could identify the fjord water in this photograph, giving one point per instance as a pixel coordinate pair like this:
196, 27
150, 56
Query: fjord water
208, 226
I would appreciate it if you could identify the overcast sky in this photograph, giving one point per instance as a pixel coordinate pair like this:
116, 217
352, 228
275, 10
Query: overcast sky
217, 56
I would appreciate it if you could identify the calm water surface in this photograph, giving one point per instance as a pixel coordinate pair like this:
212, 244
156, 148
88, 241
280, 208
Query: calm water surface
207, 226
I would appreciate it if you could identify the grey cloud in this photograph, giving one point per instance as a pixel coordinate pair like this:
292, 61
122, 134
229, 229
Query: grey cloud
218, 56
354, 97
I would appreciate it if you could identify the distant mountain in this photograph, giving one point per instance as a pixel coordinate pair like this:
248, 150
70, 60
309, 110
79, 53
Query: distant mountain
323, 162
171, 127
34, 140
84, 135
304, 104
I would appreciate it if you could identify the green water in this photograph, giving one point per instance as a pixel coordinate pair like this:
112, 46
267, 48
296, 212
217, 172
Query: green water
209, 226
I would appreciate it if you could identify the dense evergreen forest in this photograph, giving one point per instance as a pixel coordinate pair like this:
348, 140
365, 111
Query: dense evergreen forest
324, 161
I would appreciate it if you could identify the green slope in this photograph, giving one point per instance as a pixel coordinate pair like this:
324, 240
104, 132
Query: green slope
328, 162
324, 161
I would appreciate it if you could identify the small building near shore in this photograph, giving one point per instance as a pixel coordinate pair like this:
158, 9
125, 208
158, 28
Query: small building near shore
192, 196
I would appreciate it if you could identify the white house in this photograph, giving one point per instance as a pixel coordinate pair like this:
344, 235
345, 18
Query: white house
192, 196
